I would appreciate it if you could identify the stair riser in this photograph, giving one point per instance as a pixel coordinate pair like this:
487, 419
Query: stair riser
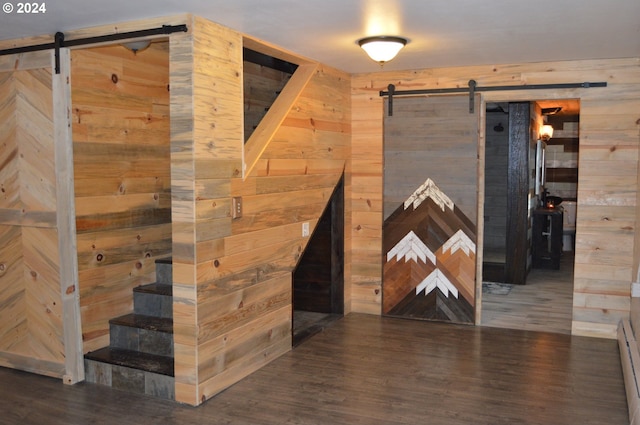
153, 305
143, 340
131, 380
164, 273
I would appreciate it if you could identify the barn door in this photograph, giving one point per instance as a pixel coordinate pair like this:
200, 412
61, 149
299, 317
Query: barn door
431, 163
39, 313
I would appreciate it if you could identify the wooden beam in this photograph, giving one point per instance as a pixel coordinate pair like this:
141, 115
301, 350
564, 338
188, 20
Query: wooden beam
271, 122
66, 216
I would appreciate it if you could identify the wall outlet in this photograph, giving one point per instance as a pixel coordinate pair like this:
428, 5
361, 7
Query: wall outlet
305, 229
236, 207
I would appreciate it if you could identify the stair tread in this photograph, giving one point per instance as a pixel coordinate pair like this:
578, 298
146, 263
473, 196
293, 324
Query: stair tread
165, 260
154, 363
151, 323
155, 288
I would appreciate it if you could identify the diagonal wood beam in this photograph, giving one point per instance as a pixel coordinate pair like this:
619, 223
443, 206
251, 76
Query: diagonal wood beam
263, 134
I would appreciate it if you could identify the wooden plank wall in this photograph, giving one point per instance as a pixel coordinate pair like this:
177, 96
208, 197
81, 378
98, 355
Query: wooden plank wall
206, 150
607, 185
232, 278
31, 315
122, 177
562, 156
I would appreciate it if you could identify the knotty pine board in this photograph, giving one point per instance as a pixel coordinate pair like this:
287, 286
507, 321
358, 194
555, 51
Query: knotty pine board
219, 261
31, 307
122, 177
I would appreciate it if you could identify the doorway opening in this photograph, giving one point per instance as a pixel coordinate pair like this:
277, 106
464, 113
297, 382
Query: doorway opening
318, 279
537, 293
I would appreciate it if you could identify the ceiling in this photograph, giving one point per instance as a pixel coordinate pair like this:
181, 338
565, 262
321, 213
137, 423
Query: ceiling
442, 33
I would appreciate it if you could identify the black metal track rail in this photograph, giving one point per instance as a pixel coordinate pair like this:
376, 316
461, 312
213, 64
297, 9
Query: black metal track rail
59, 41
473, 88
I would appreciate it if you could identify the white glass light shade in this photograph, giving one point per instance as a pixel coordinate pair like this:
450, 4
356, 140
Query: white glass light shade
137, 46
382, 48
546, 132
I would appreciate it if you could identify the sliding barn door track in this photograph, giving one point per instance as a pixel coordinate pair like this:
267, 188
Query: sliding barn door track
59, 41
473, 89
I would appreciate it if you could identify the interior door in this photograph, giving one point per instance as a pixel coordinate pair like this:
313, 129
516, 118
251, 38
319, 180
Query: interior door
431, 165
39, 310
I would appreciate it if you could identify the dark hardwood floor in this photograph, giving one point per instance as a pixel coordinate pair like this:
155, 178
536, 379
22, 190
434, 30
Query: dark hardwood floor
372, 370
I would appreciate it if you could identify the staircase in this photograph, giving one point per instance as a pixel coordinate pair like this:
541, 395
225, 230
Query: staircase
139, 357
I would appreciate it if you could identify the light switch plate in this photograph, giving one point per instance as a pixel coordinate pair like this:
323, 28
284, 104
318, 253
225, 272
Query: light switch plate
236, 207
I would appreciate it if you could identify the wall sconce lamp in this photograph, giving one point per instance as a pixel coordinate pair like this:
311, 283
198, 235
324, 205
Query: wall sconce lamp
546, 132
382, 48
137, 45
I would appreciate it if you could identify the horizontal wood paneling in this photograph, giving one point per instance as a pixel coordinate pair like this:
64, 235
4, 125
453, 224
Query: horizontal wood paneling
232, 290
122, 177
607, 179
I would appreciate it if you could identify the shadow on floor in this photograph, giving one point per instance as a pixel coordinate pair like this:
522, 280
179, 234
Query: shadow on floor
308, 323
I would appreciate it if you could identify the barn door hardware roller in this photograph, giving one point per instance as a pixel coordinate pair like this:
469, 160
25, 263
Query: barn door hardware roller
473, 89
60, 42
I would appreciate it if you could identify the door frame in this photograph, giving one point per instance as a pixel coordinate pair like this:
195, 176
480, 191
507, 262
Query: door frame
517, 193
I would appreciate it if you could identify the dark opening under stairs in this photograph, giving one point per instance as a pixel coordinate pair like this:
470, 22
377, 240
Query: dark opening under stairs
139, 357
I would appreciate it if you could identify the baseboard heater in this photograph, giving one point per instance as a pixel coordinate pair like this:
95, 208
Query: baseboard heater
630, 359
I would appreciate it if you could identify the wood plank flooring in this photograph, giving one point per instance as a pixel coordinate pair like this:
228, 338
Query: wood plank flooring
544, 304
367, 369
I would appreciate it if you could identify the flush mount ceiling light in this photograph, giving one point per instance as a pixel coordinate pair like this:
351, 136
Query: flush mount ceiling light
137, 46
382, 48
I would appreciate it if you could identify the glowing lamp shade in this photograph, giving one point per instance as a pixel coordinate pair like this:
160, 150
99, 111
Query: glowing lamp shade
137, 46
546, 132
382, 48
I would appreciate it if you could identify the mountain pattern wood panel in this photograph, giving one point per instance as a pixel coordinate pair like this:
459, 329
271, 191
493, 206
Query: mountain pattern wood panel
430, 259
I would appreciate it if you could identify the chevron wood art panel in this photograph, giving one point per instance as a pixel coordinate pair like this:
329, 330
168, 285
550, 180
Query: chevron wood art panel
430, 209
429, 269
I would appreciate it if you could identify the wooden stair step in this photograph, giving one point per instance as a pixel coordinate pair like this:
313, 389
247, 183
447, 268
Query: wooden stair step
165, 260
153, 363
155, 289
154, 299
151, 323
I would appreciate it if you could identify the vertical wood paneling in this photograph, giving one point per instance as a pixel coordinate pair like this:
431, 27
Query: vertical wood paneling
66, 221
608, 123
121, 162
183, 214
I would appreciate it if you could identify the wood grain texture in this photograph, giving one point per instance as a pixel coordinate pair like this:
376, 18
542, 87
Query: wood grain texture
66, 223
31, 308
518, 194
232, 278
431, 166
121, 158
544, 304
366, 369
265, 131
608, 123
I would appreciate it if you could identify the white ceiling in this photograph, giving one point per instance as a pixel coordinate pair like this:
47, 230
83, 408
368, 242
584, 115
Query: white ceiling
442, 33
